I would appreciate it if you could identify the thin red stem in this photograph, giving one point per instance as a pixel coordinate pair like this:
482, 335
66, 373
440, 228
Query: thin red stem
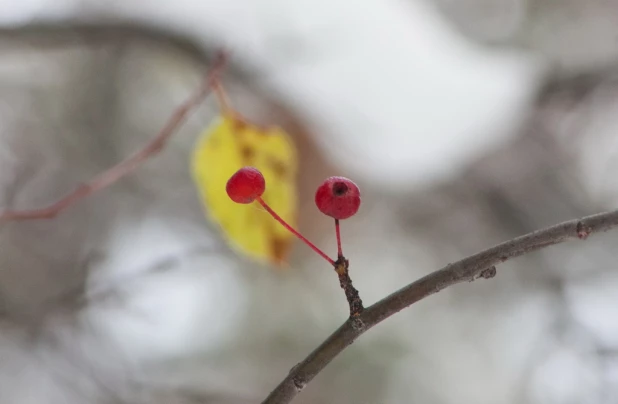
338, 232
297, 234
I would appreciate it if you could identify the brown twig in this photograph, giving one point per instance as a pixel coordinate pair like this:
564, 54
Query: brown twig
120, 170
342, 266
468, 269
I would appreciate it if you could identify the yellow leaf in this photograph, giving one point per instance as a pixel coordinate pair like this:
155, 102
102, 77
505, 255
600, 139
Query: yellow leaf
229, 144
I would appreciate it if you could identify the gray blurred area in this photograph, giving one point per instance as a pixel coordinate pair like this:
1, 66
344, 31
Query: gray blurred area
131, 296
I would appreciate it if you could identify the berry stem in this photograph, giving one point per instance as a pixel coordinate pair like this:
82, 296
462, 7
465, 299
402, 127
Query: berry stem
291, 229
338, 232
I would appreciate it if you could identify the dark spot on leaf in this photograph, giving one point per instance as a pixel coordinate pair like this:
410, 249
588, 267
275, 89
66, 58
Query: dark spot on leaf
247, 154
278, 168
279, 249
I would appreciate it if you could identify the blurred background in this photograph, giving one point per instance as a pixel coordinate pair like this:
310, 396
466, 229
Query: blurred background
464, 122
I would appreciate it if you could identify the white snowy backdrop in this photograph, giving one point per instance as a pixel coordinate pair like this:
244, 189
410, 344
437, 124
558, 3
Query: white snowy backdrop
464, 122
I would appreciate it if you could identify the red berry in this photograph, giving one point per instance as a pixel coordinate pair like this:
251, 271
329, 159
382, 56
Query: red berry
245, 185
338, 197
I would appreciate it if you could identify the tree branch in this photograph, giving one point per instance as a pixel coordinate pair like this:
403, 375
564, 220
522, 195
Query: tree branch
120, 170
468, 269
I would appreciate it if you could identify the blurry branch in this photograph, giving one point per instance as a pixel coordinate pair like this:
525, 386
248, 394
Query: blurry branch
480, 265
120, 170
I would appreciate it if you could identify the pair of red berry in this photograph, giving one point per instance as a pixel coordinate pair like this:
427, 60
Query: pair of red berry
337, 197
